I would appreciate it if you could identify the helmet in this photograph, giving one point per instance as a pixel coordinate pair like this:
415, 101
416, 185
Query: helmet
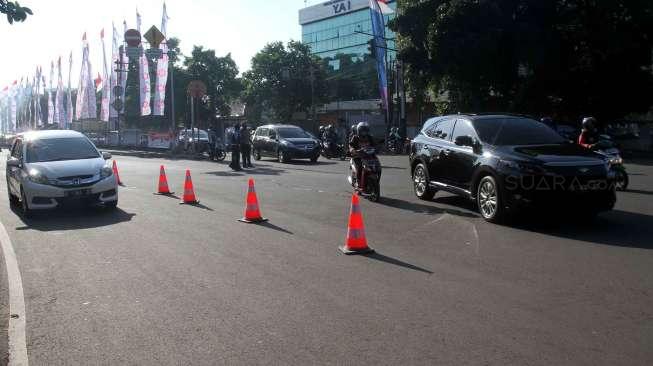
330, 128
589, 123
321, 128
363, 129
353, 129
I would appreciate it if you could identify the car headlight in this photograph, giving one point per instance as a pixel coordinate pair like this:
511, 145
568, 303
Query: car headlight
522, 167
37, 177
106, 172
616, 161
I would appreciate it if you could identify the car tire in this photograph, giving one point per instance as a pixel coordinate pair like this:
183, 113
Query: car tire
314, 159
257, 154
111, 205
282, 156
421, 183
24, 206
13, 200
489, 200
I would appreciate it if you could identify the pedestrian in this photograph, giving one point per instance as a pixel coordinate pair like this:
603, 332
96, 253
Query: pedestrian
235, 148
245, 146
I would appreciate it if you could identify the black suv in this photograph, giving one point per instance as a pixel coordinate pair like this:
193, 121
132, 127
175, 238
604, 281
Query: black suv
285, 142
507, 162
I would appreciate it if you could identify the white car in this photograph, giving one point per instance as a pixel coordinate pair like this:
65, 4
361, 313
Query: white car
46, 169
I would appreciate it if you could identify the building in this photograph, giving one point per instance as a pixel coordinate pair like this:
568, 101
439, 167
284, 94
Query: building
339, 32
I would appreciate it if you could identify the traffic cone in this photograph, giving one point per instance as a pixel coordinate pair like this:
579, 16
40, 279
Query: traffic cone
356, 242
189, 193
252, 212
115, 173
163, 183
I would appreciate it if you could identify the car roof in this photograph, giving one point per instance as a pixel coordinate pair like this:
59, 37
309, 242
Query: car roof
49, 134
278, 126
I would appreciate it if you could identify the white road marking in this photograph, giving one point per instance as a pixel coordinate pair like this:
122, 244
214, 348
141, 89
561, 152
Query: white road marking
17, 340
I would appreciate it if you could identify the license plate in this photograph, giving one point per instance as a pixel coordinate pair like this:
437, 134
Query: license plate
77, 193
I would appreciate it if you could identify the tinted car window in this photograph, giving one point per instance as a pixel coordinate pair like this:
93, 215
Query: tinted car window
463, 128
443, 129
262, 132
292, 133
17, 151
515, 131
58, 149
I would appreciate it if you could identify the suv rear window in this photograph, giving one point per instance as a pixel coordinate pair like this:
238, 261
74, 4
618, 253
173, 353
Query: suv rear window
515, 131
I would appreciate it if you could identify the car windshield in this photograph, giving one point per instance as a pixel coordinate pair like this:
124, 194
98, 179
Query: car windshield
58, 149
515, 131
292, 133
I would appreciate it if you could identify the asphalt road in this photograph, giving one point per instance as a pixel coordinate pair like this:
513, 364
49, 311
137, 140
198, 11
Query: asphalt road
158, 283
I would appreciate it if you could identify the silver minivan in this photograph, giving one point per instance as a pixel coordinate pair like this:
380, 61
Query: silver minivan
46, 169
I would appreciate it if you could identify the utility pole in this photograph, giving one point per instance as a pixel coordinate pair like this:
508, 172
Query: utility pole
402, 97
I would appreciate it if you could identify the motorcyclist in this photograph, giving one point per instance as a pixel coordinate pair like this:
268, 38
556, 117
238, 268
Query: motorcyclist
330, 136
589, 135
358, 142
321, 134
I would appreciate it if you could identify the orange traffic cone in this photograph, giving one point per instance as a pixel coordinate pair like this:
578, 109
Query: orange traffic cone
115, 173
356, 242
189, 192
252, 212
163, 183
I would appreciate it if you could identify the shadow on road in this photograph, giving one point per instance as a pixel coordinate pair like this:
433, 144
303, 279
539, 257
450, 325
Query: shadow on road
244, 172
616, 228
393, 167
638, 191
422, 208
74, 219
269, 225
385, 259
199, 205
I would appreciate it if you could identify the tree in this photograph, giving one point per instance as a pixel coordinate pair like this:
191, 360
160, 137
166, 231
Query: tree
283, 80
563, 57
220, 74
14, 12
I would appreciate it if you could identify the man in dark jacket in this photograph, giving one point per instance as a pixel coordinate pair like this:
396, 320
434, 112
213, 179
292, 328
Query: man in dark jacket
245, 146
235, 148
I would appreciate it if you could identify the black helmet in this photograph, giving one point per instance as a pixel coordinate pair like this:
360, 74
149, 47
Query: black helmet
321, 128
589, 123
330, 128
363, 129
353, 129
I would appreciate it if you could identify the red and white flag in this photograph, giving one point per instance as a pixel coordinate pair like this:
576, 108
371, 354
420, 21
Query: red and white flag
144, 77
162, 69
50, 101
106, 87
86, 101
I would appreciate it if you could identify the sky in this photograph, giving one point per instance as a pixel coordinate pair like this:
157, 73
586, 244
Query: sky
239, 27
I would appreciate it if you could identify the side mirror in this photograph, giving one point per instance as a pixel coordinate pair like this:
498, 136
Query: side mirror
14, 163
106, 155
465, 141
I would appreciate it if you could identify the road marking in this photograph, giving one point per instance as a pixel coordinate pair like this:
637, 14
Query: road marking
17, 341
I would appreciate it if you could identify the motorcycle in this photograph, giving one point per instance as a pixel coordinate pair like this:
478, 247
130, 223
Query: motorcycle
608, 149
395, 145
332, 150
370, 185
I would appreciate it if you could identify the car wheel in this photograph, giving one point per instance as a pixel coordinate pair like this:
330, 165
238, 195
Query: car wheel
421, 183
13, 200
488, 197
314, 159
257, 154
24, 206
282, 156
622, 181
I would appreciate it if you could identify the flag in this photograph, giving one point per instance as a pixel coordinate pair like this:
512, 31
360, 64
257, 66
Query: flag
114, 75
13, 107
143, 77
378, 29
385, 8
50, 101
69, 99
86, 101
104, 111
162, 69
125, 60
60, 113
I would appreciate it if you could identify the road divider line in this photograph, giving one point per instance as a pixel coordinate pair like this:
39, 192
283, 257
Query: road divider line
17, 322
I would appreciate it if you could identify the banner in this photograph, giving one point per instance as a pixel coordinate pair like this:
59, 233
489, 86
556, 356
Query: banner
125, 61
60, 113
162, 69
50, 101
160, 140
114, 75
104, 113
144, 77
37, 101
86, 101
378, 29
69, 101
13, 107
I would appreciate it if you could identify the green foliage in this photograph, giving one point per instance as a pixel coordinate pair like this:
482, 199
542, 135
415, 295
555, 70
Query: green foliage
283, 80
13, 11
560, 57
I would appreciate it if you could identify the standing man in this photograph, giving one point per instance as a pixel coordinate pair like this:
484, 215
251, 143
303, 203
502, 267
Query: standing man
235, 148
245, 146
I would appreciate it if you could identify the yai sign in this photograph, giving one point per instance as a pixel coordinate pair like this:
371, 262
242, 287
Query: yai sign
330, 9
